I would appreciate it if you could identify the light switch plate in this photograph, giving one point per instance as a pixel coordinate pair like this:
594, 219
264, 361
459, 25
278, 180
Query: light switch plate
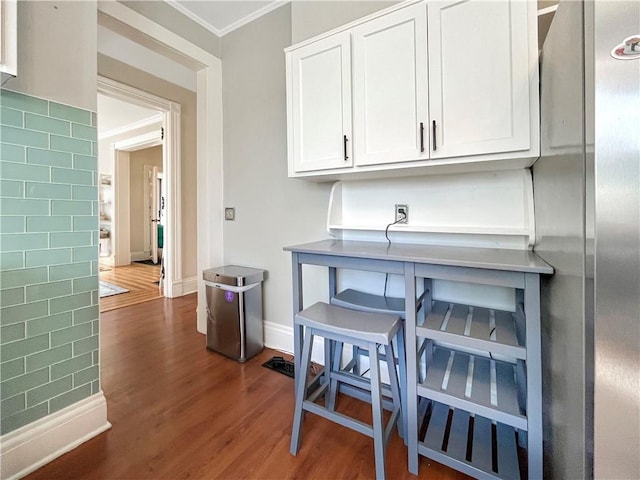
229, 213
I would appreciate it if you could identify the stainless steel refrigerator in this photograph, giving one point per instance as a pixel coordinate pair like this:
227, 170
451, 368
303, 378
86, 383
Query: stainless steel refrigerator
587, 206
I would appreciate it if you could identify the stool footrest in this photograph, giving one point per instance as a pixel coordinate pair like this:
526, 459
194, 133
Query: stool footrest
313, 395
365, 395
339, 418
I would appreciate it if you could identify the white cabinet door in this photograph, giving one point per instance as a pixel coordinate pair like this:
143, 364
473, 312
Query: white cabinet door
478, 77
390, 88
319, 96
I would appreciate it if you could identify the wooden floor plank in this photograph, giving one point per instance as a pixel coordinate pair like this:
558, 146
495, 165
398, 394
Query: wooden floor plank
138, 278
180, 411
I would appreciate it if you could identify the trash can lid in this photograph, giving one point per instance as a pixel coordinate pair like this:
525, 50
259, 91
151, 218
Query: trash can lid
233, 275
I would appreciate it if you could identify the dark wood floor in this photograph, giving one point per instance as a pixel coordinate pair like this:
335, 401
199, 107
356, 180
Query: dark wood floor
180, 411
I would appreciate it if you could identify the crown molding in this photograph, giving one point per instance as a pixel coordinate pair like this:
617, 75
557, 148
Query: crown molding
229, 28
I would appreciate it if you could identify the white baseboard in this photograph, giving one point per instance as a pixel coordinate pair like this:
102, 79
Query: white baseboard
140, 256
183, 287
189, 285
107, 260
280, 337
28, 448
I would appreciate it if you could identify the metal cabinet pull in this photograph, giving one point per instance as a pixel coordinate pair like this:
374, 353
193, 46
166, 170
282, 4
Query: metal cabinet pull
421, 137
433, 126
346, 157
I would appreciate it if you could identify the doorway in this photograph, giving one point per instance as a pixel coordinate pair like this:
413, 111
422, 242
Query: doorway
143, 174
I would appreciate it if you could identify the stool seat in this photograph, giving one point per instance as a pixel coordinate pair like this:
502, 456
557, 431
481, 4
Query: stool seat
368, 302
369, 327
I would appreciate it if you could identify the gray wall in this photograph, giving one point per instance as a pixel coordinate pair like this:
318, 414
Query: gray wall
272, 211
57, 52
310, 18
164, 14
560, 205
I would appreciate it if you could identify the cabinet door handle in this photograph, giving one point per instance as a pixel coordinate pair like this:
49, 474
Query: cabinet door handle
433, 127
421, 137
346, 157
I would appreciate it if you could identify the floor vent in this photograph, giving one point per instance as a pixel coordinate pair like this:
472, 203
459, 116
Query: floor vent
280, 365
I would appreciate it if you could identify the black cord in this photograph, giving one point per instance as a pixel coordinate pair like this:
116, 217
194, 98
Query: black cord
386, 234
386, 230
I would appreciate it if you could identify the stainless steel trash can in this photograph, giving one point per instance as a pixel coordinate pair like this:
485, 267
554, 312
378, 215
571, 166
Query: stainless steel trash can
234, 311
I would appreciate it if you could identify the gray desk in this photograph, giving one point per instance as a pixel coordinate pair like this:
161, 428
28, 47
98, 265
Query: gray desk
506, 268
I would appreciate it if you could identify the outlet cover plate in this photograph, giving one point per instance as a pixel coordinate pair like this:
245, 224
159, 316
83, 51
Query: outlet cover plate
402, 208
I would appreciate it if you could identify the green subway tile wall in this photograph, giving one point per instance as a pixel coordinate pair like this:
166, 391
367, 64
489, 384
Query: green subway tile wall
49, 318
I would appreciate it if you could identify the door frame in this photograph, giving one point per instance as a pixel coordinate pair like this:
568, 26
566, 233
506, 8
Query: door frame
120, 152
171, 165
210, 220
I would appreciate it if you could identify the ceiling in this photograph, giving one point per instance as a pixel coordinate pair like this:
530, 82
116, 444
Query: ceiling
115, 115
223, 16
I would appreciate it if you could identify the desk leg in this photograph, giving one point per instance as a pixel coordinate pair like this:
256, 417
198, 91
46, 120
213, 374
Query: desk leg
296, 275
333, 289
412, 362
534, 373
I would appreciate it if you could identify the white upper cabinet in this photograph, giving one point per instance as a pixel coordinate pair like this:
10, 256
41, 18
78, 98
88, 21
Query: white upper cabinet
319, 105
433, 87
390, 88
478, 77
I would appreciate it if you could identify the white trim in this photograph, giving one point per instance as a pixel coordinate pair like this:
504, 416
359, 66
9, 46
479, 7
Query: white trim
280, 337
185, 287
547, 10
209, 182
209, 136
126, 93
189, 285
8, 38
172, 165
28, 448
188, 13
145, 122
140, 256
140, 142
221, 32
253, 16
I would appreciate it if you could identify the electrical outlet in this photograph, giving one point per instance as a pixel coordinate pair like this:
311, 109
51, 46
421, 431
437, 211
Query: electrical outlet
229, 213
402, 213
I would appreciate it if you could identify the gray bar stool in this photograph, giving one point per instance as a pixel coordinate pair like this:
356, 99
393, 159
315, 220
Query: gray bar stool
368, 331
366, 302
